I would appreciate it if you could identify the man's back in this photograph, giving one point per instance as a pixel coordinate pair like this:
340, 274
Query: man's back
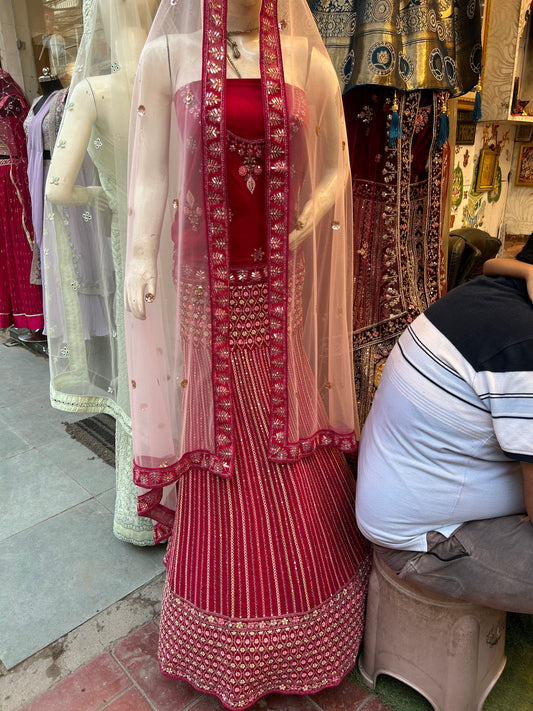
452, 417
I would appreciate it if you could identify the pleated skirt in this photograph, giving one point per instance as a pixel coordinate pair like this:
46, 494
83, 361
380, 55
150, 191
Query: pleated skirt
266, 571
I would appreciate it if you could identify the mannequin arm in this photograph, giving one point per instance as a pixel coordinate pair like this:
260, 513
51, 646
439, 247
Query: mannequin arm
70, 151
324, 195
149, 179
511, 268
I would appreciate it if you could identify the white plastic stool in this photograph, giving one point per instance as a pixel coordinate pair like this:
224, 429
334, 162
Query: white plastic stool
450, 651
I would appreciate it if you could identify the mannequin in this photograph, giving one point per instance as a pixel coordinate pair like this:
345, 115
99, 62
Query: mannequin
88, 173
48, 83
238, 293
141, 277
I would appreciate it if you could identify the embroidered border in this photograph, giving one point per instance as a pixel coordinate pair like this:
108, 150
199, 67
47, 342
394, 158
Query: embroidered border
215, 199
277, 161
242, 660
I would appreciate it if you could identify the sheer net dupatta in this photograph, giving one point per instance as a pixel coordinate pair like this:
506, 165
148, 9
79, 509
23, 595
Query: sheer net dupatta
86, 211
180, 355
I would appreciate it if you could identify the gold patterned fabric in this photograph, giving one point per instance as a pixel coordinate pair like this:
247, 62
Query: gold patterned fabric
405, 44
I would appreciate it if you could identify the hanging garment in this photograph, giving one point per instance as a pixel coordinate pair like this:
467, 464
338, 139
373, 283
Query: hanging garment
399, 159
38, 145
20, 301
424, 44
241, 371
86, 237
399, 194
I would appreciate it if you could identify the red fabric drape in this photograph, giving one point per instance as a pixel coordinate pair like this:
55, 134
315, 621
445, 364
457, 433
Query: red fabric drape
20, 302
398, 213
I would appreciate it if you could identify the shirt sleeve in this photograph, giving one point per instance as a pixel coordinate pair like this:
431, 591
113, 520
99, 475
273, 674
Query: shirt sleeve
505, 385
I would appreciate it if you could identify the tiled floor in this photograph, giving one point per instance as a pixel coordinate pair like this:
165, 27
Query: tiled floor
128, 679
79, 609
64, 565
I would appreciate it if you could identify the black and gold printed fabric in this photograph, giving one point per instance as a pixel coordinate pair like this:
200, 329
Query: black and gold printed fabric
403, 44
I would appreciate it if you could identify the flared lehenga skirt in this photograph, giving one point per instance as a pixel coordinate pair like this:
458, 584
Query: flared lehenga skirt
266, 571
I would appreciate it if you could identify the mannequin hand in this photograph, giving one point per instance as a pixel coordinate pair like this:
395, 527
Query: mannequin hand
297, 236
97, 197
139, 286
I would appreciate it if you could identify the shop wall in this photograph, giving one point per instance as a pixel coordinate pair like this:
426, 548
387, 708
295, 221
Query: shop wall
519, 207
472, 208
16, 48
9, 53
24, 36
507, 210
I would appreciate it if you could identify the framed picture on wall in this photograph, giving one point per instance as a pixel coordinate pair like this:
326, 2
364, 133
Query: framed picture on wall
466, 128
487, 169
524, 170
524, 132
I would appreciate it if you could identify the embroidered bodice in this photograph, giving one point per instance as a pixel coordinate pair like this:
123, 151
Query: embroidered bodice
245, 167
12, 114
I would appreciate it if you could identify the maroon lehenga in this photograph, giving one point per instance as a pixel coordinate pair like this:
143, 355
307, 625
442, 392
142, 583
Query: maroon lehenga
267, 571
20, 302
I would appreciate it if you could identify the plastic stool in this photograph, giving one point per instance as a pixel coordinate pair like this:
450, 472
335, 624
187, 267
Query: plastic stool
450, 651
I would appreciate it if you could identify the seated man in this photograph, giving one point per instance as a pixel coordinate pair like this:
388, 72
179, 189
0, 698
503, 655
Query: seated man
445, 474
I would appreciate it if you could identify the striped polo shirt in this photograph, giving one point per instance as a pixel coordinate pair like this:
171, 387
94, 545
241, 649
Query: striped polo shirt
451, 419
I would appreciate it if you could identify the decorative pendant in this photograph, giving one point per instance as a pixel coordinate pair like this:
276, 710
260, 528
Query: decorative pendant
249, 171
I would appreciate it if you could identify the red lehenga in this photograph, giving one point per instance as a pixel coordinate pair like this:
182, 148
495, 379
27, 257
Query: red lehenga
266, 570
241, 375
20, 302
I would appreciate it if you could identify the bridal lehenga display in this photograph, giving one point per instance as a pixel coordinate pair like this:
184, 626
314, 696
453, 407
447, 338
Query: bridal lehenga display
238, 285
200, 176
238, 281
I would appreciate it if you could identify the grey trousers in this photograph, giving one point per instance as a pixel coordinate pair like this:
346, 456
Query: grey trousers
487, 562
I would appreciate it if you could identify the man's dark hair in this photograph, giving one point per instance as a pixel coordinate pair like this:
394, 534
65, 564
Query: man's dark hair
526, 253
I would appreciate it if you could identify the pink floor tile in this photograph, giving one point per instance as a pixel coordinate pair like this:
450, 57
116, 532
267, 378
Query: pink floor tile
131, 700
138, 655
272, 702
87, 689
375, 704
347, 696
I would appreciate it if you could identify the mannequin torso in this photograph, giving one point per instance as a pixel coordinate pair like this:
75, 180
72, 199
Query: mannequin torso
169, 63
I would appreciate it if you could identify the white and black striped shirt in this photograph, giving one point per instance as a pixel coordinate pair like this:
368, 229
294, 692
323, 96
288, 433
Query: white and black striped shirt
452, 418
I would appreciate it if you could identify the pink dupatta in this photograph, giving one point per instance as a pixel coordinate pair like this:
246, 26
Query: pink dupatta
309, 248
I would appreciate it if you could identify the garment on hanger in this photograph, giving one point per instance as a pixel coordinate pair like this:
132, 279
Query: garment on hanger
398, 194
428, 50
241, 373
20, 301
38, 145
424, 44
86, 190
86, 255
